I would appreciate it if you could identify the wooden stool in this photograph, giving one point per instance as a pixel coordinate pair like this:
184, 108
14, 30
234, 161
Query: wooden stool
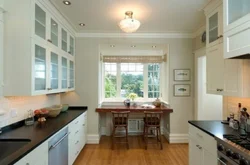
120, 120
152, 120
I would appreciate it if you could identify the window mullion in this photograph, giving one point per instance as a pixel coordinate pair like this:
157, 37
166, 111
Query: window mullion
118, 82
145, 82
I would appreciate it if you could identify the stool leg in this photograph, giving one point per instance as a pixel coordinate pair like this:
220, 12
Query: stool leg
146, 138
157, 135
127, 136
113, 138
160, 137
143, 136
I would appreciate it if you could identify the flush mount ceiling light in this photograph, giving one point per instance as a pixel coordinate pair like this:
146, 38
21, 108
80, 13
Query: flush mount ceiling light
129, 24
67, 2
81, 24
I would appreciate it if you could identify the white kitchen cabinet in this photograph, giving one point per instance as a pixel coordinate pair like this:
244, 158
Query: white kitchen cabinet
236, 28
77, 137
215, 69
39, 156
214, 23
202, 148
235, 13
1, 57
35, 52
71, 45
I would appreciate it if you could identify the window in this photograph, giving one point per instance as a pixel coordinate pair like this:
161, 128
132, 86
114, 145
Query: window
121, 79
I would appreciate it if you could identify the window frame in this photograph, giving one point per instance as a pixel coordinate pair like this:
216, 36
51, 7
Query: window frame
145, 85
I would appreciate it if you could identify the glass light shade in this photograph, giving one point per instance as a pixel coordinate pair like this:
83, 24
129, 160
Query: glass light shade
129, 25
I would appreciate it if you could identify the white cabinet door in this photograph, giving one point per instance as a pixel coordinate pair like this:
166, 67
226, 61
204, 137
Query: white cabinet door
64, 72
54, 32
215, 70
195, 154
71, 75
39, 156
40, 22
40, 68
209, 158
64, 40
1, 58
214, 27
71, 45
54, 72
235, 13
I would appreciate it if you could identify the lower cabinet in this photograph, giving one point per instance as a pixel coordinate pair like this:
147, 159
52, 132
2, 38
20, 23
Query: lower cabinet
202, 148
77, 137
39, 156
76, 141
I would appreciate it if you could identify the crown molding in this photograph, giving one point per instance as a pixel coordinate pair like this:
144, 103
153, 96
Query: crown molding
134, 35
199, 31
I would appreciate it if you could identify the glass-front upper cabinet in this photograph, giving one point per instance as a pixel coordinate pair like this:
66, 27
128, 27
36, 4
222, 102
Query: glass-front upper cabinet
40, 22
71, 46
64, 40
64, 73
54, 71
71, 74
40, 68
54, 32
214, 26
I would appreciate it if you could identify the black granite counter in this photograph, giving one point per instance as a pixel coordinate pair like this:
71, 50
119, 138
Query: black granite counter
38, 133
214, 128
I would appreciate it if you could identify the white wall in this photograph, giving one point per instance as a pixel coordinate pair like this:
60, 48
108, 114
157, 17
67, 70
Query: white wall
88, 77
22, 104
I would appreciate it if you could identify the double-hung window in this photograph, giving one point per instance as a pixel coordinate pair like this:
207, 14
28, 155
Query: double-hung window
139, 75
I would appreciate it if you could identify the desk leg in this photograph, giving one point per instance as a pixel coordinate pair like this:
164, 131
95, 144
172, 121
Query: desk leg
109, 124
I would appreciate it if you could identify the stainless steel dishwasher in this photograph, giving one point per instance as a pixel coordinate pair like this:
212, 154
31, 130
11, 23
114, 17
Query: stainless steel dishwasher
58, 148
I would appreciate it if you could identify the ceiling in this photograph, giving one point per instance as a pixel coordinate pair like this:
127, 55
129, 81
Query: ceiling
156, 16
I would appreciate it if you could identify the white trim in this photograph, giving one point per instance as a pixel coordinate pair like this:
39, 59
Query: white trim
134, 35
93, 139
175, 138
199, 31
211, 6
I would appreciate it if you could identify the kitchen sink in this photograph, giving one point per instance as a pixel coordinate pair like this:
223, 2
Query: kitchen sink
9, 146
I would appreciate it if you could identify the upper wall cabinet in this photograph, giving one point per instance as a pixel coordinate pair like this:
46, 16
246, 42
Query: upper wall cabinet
214, 19
36, 49
1, 53
236, 28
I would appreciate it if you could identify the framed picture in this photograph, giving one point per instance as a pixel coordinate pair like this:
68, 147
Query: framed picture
182, 90
181, 74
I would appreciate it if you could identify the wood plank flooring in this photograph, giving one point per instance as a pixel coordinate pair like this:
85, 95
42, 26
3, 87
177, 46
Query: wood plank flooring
101, 154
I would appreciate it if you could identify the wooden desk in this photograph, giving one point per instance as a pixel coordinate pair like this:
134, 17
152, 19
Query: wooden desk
138, 110
132, 109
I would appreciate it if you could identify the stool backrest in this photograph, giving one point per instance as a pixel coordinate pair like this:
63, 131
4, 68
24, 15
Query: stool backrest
120, 118
153, 118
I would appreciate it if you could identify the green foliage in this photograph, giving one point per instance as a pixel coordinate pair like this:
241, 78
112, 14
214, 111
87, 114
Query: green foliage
110, 86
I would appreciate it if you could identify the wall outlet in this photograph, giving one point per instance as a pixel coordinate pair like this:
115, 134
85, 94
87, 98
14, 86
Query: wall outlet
13, 113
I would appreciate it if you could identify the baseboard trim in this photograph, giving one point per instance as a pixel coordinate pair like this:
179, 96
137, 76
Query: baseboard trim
93, 139
175, 138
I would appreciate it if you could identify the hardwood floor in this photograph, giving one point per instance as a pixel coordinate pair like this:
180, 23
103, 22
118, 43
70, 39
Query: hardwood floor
101, 154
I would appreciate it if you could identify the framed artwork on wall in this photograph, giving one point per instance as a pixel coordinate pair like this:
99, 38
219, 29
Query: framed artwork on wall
181, 74
182, 90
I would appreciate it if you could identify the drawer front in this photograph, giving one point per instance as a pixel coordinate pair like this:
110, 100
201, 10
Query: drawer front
203, 138
235, 41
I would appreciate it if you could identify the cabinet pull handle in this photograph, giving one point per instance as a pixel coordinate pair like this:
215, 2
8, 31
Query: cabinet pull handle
76, 132
218, 90
49, 40
77, 142
83, 125
76, 122
199, 135
221, 90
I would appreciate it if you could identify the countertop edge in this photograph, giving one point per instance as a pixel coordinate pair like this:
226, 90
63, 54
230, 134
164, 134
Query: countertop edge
83, 109
190, 122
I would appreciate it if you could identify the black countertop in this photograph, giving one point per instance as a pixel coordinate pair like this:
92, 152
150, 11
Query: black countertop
214, 128
38, 133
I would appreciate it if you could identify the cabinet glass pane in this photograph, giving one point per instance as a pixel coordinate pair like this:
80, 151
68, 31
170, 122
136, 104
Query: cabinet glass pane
237, 9
72, 43
54, 32
40, 68
54, 71
71, 74
213, 27
40, 22
64, 73
64, 40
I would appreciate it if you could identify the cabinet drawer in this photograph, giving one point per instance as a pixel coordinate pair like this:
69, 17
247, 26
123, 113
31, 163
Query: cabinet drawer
203, 138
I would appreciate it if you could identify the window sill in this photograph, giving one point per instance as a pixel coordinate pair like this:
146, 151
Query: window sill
138, 102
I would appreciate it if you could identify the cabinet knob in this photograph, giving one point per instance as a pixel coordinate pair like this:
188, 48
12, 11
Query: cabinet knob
217, 90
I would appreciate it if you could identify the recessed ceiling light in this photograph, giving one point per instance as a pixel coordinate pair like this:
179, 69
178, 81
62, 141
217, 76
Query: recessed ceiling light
153, 46
67, 2
112, 46
81, 24
133, 46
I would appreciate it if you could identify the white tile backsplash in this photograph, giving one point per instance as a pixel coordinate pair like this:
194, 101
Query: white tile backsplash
22, 104
230, 104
